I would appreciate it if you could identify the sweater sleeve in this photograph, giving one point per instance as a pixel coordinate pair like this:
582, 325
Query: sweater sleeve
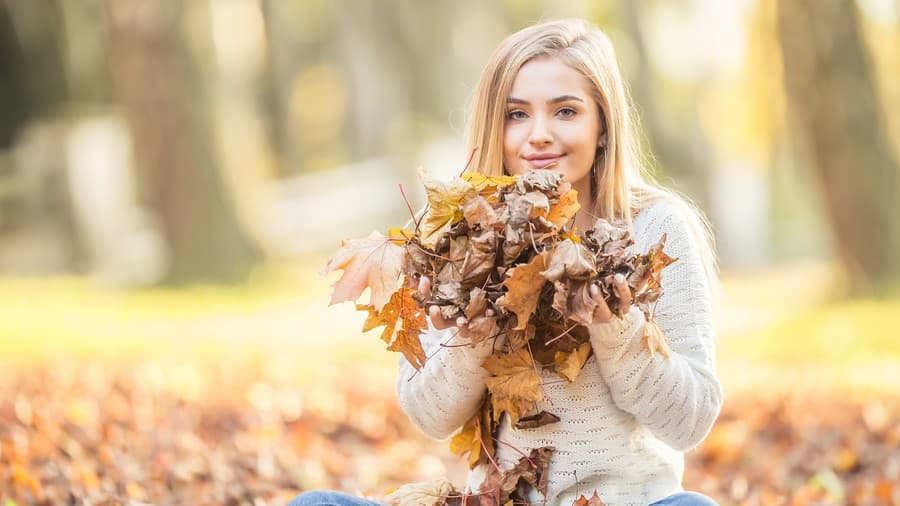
447, 391
678, 399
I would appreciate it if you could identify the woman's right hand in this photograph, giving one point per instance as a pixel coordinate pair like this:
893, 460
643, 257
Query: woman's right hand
434, 312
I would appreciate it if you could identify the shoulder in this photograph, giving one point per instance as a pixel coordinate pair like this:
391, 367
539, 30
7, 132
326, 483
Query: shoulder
668, 215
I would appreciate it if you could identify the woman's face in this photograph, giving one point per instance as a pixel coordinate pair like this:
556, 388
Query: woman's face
551, 116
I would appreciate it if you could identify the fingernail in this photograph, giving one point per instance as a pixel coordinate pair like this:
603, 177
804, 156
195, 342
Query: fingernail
620, 278
594, 289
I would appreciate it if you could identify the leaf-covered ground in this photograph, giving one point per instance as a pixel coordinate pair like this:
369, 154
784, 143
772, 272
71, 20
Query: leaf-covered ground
202, 398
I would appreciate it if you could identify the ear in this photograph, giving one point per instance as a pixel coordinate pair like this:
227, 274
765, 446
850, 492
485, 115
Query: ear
603, 140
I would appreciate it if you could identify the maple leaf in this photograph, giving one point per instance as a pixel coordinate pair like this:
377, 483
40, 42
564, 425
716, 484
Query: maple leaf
475, 437
584, 501
403, 320
514, 384
568, 365
524, 286
444, 200
563, 210
373, 262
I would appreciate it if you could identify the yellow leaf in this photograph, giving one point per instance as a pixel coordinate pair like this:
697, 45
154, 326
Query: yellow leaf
568, 365
444, 200
487, 186
514, 384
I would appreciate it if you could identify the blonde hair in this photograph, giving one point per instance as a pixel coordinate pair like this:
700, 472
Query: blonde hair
623, 184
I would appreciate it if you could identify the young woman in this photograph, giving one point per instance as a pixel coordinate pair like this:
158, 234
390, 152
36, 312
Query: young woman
552, 96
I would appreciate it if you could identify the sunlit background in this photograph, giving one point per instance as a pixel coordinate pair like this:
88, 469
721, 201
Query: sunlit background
173, 176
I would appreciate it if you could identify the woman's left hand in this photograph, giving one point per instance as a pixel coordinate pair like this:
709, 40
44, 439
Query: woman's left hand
602, 313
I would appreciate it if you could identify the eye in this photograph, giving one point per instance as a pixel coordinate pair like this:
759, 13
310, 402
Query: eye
516, 114
567, 112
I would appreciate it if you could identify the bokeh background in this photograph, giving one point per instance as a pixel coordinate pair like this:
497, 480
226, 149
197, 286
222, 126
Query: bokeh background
174, 174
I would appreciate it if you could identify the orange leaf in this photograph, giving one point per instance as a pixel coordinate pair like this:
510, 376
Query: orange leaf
562, 211
373, 262
403, 320
524, 289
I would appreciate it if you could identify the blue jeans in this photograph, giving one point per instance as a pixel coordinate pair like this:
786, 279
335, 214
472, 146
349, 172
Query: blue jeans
331, 498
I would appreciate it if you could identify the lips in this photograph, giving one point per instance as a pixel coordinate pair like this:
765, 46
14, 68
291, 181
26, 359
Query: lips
542, 160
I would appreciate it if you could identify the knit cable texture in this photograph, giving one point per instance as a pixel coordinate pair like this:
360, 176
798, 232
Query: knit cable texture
627, 420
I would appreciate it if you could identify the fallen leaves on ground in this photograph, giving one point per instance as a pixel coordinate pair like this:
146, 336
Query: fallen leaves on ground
74, 432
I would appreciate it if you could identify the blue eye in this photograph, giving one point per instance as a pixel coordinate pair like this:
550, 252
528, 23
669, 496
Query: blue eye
567, 112
517, 114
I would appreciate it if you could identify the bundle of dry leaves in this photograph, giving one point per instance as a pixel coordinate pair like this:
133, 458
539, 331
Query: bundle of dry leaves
503, 253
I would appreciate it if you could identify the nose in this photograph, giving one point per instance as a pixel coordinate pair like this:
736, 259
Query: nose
540, 132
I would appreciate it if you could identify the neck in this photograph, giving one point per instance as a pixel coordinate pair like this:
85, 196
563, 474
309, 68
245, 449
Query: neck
584, 218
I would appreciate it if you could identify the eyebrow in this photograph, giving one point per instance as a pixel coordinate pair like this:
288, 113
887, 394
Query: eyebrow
561, 98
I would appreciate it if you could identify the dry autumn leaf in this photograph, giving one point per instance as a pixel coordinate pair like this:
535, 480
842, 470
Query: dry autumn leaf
426, 493
373, 262
584, 501
444, 200
403, 319
524, 290
514, 384
568, 365
564, 210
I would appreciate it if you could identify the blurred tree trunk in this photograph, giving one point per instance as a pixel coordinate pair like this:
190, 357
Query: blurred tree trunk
685, 156
835, 111
167, 114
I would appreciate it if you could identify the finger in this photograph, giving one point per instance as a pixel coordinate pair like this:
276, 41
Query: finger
424, 286
594, 290
601, 312
434, 313
622, 290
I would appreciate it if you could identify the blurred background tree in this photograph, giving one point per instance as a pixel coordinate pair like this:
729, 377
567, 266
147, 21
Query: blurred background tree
190, 141
839, 124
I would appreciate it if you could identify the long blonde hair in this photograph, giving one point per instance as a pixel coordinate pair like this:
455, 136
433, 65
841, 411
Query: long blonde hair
622, 182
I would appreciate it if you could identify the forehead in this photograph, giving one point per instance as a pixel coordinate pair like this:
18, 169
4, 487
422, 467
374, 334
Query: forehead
548, 77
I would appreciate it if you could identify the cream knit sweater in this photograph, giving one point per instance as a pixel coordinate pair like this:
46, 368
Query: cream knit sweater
628, 418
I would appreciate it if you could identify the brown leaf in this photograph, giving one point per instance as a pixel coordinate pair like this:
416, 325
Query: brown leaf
538, 420
581, 304
529, 472
514, 384
478, 211
524, 285
571, 260
568, 365
373, 262
479, 259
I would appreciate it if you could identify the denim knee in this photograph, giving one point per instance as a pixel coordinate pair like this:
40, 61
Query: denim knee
329, 498
686, 499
